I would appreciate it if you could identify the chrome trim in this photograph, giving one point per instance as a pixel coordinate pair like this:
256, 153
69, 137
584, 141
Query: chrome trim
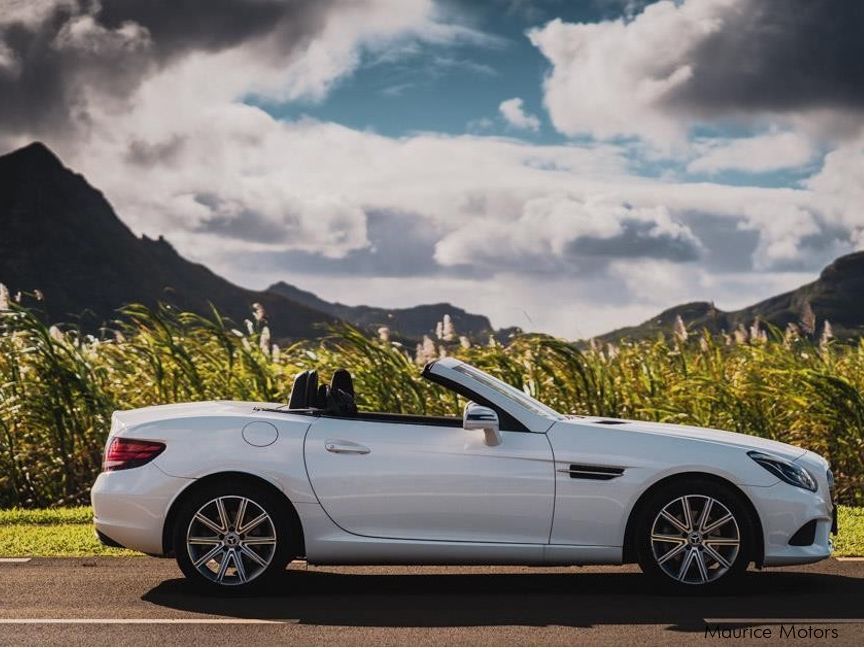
346, 447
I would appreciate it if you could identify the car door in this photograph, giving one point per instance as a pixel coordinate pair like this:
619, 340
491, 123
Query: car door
431, 482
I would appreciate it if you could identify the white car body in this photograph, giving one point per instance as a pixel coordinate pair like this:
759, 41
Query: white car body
411, 492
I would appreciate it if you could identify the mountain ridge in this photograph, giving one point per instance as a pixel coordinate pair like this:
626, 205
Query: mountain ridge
836, 296
412, 323
61, 236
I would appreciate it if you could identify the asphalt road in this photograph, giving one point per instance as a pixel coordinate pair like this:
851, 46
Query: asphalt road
144, 601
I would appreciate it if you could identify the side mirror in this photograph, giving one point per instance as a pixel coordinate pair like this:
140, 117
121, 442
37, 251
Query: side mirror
477, 417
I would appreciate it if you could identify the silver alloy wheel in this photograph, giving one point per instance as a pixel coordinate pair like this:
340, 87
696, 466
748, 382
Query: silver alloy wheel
231, 540
695, 539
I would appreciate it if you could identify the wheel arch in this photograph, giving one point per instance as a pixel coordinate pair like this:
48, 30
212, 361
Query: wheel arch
235, 476
629, 546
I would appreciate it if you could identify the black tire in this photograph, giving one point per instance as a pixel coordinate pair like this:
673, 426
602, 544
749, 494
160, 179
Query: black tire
703, 562
233, 567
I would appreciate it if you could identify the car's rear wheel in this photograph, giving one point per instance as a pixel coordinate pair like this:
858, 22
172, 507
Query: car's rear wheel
694, 535
232, 538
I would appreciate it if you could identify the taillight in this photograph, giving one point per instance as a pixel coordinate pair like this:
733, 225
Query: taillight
124, 453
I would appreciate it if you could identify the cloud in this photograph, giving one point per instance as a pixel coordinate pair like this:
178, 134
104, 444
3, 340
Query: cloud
479, 125
513, 112
399, 245
445, 64
158, 115
562, 233
396, 90
228, 175
778, 56
66, 52
62, 59
132, 91
328, 207
840, 184
677, 64
610, 78
759, 154
325, 224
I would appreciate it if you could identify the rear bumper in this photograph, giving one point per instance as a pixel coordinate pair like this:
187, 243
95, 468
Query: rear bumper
129, 506
108, 542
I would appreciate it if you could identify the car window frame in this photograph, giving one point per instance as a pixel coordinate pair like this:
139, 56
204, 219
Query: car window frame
506, 421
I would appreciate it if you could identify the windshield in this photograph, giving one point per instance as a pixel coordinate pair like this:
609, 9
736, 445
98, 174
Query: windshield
508, 391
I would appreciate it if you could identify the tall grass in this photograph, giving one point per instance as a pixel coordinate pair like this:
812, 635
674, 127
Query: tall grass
58, 387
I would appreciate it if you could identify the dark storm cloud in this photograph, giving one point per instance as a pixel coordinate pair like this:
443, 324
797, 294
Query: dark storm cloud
637, 240
780, 55
41, 91
400, 245
727, 246
182, 25
147, 154
234, 221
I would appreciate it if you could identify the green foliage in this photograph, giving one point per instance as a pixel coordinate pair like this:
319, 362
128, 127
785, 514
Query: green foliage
54, 540
850, 540
45, 516
58, 387
57, 531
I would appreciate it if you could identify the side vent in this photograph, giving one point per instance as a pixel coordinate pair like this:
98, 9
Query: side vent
597, 473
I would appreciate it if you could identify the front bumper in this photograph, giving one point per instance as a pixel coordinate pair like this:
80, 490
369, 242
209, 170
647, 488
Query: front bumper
783, 509
129, 506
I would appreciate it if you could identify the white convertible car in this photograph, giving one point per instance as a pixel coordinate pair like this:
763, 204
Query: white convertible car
236, 490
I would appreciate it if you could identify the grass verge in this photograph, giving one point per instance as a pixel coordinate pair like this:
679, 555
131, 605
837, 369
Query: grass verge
69, 532
850, 540
52, 532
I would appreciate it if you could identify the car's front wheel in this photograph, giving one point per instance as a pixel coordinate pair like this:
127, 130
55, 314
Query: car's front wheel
232, 538
694, 535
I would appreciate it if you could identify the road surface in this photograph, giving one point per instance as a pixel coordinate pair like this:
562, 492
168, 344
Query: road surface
144, 601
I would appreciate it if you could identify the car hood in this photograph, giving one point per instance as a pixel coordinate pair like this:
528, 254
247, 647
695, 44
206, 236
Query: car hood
709, 435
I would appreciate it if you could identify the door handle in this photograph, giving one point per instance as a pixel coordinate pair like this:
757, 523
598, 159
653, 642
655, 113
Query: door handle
346, 447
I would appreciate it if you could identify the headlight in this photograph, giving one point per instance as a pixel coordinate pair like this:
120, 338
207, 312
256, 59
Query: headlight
789, 472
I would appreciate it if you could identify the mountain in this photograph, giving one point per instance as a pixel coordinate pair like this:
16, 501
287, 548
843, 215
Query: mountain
60, 235
409, 323
836, 296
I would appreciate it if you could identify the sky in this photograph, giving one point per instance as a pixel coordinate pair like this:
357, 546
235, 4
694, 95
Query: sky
564, 166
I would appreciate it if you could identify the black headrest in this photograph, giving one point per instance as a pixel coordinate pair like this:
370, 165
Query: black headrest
342, 380
321, 397
311, 389
298, 391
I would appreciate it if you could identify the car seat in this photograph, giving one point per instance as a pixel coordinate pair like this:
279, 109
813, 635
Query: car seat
342, 380
297, 399
340, 396
311, 389
321, 397
304, 391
